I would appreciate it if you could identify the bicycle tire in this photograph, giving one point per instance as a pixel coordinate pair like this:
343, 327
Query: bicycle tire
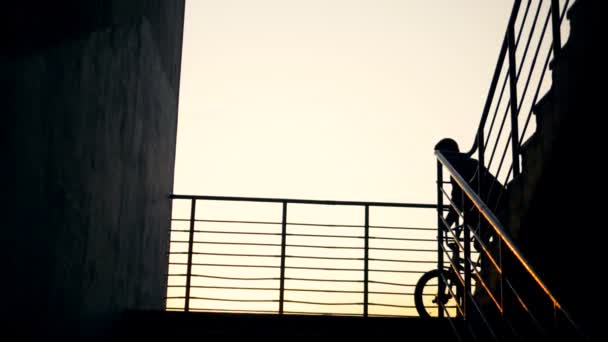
422, 306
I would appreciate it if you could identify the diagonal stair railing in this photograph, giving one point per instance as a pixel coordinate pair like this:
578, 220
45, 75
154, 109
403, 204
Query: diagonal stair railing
532, 40
500, 296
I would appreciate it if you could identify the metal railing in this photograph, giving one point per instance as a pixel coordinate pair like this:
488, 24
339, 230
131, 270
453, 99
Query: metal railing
518, 302
503, 297
288, 256
532, 39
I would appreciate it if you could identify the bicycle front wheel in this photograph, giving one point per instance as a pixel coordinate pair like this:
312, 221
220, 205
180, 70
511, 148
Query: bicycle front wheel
427, 298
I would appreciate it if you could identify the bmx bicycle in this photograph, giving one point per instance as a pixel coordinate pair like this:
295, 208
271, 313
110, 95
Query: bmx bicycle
427, 298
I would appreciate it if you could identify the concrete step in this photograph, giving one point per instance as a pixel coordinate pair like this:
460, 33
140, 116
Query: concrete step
216, 326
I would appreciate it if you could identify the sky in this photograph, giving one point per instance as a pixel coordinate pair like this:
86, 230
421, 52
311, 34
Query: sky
324, 99
330, 99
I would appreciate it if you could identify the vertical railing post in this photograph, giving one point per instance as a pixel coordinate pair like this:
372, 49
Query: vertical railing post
556, 23
440, 229
467, 262
366, 265
482, 160
501, 284
190, 250
283, 248
514, 102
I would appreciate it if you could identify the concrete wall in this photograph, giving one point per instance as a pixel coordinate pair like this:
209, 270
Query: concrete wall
90, 113
556, 207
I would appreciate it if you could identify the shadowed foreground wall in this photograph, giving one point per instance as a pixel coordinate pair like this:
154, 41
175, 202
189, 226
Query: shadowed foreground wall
90, 93
556, 208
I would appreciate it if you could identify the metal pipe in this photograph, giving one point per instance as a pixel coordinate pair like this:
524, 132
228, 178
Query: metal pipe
495, 224
556, 22
283, 248
300, 201
467, 263
366, 265
514, 102
497, 70
441, 283
190, 250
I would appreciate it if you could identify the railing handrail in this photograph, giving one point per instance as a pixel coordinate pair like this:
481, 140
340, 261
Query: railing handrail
361, 261
495, 78
302, 201
499, 229
557, 20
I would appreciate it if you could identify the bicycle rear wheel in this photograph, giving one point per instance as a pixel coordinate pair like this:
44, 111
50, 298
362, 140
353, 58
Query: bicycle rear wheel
426, 295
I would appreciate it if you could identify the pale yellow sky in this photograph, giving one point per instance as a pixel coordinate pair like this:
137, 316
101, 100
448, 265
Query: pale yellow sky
330, 99
324, 99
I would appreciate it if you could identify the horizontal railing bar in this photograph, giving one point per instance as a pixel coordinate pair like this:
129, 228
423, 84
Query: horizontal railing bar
235, 265
235, 300
234, 278
408, 261
323, 268
395, 293
294, 290
235, 311
388, 315
306, 224
319, 290
238, 243
326, 225
321, 313
395, 271
310, 224
193, 253
404, 228
235, 233
393, 305
227, 221
403, 249
401, 239
300, 201
237, 254
325, 280
322, 258
328, 236
329, 247
234, 287
319, 303
390, 283
294, 268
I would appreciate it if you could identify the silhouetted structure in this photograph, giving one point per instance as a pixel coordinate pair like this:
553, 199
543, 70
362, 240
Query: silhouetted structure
551, 217
90, 111
90, 92
553, 212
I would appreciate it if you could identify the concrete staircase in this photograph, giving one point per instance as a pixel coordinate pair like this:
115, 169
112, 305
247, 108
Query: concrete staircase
553, 211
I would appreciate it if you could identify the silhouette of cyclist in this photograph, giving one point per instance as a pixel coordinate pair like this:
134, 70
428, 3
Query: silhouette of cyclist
490, 193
